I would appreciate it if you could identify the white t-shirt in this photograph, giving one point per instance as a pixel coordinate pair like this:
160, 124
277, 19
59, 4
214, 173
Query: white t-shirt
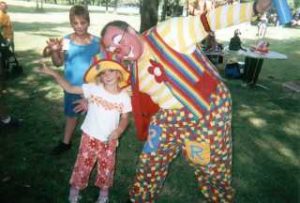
104, 110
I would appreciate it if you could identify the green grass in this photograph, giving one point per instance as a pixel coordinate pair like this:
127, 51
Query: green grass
266, 134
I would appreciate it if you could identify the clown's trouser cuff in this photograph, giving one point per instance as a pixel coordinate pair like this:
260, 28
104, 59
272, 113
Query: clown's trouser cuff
204, 143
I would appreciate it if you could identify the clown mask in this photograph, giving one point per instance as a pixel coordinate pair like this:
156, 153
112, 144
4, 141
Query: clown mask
125, 44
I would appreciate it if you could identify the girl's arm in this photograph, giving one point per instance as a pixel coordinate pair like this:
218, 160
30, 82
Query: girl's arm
60, 80
124, 120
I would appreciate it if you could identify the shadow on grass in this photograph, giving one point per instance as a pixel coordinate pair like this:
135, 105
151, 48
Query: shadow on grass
30, 10
39, 27
22, 9
266, 133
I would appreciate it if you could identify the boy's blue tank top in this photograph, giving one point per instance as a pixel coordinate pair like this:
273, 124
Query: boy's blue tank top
78, 58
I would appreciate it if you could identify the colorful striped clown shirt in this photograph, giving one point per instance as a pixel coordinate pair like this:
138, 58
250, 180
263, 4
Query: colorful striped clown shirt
173, 71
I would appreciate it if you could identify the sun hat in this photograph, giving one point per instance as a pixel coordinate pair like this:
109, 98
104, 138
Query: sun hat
95, 69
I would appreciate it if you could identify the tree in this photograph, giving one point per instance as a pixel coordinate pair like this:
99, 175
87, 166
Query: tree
296, 4
39, 5
149, 14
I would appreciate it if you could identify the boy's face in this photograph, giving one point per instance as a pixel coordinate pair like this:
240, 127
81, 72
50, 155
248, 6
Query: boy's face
110, 77
3, 7
79, 25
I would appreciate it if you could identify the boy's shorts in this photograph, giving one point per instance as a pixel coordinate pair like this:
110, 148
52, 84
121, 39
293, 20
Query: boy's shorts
69, 105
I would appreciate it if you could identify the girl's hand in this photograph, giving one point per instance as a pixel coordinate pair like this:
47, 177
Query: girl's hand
114, 135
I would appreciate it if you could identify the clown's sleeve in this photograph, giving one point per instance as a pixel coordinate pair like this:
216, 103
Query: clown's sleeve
183, 33
228, 15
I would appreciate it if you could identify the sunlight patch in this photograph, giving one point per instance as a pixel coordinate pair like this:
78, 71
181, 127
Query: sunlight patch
258, 122
272, 144
53, 96
246, 111
289, 154
292, 128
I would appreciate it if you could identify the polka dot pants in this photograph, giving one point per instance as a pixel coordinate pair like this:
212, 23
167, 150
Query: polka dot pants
205, 143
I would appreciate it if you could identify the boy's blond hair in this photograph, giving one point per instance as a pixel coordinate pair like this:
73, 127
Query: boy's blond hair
79, 10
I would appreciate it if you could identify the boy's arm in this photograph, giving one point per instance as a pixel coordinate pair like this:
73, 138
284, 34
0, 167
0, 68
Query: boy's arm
57, 58
60, 80
124, 120
54, 50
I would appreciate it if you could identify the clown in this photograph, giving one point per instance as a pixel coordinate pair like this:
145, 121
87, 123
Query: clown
180, 104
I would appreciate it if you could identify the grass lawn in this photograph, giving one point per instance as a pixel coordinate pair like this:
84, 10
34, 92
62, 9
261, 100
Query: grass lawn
266, 124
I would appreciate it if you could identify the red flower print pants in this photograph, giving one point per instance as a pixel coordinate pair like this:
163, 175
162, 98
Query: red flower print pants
92, 150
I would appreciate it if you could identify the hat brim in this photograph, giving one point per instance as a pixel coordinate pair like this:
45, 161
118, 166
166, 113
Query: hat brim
96, 69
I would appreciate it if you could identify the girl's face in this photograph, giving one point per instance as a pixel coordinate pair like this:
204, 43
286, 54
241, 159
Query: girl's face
110, 77
80, 25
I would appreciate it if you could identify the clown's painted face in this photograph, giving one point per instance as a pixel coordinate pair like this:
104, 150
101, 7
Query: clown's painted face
125, 44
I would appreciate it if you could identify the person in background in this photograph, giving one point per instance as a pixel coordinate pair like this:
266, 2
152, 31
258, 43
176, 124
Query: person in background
180, 103
262, 26
211, 44
106, 119
6, 120
235, 42
296, 18
6, 26
213, 49
75, 52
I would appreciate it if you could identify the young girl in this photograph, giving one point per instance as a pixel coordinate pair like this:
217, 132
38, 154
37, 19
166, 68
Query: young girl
75, 51
106, 119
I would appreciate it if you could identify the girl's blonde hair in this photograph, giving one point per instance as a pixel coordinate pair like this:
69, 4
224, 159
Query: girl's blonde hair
79, 10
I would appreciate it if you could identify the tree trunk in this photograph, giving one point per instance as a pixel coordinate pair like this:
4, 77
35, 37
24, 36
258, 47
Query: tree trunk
296, 4
116, 5
39, 5
149, 14
106, 6
86, 3
164, 10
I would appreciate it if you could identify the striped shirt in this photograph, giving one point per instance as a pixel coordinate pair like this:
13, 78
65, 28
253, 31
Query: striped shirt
182, 34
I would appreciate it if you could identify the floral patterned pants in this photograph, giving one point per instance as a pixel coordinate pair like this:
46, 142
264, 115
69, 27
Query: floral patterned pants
205, 143
92, 150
